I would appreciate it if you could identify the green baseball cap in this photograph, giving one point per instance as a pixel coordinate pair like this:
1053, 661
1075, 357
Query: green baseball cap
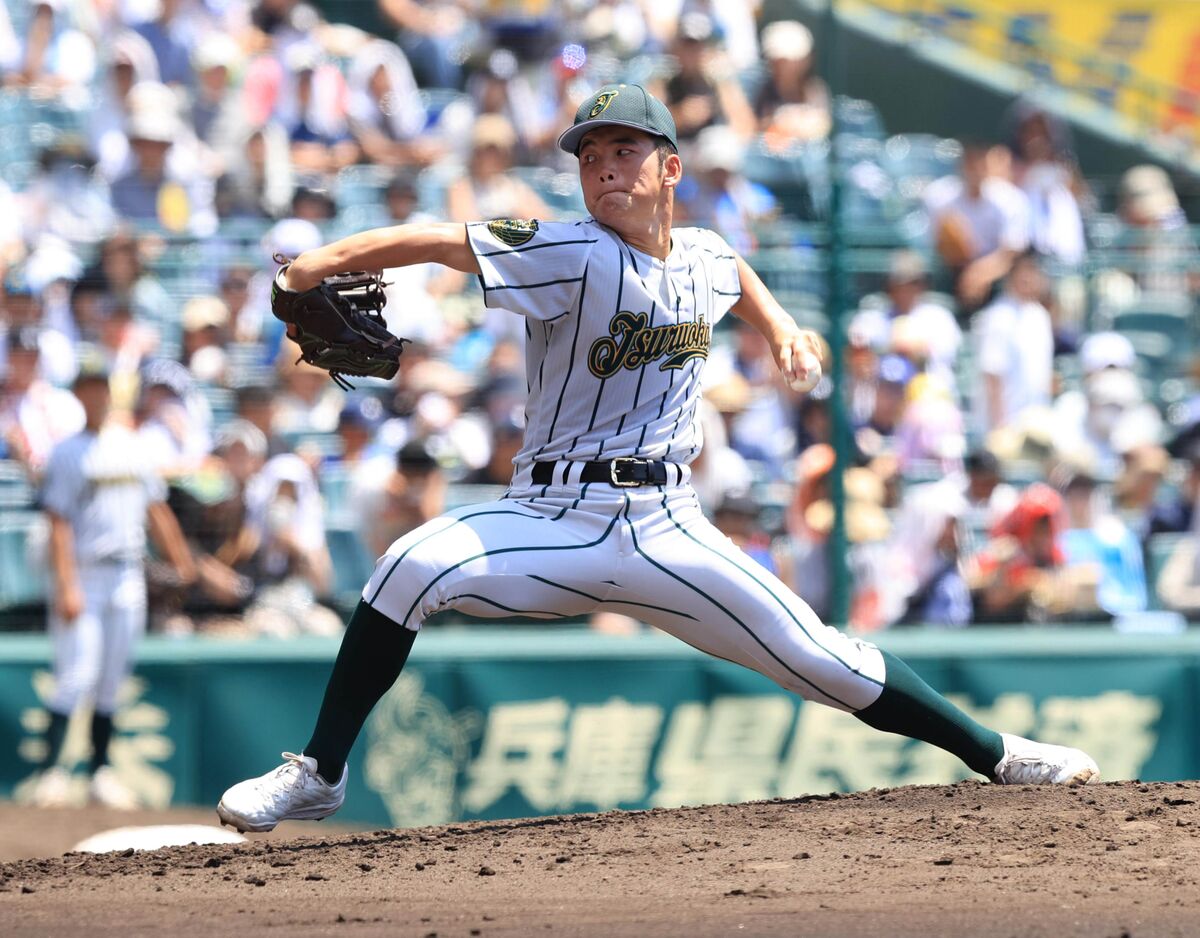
625, 106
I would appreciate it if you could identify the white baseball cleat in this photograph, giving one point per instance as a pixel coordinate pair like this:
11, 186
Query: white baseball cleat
108, 790
53, 788
1027, 762
292, 792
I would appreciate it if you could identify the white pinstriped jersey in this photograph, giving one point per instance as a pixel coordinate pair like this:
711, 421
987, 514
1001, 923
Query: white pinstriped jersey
102, 485
615, 339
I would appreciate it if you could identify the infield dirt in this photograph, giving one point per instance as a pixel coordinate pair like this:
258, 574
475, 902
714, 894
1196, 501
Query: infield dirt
1119, 859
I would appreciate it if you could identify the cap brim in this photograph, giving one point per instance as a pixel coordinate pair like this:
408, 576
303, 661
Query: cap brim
570, 139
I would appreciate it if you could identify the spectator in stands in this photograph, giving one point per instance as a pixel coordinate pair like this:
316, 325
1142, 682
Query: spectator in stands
980, 221
613, 27
925, 583
414, 292
120, 278
1022, 575
217, 534
489, 190
910, 324
314, 113
276, 25
931, 426
759, 424
12, 247
1159, 238
714, 194
57, 59
867, 529
1109, 414
307, 401
718, 470
290, 238
432, 34
169, 37
34, 415
1014, 348
355, 429
124, 343
877, 435
291, 559
256, 405
413, 494
386, 114
867, 339
1178, 584
536, 110
807, 544
131, 62
205, 334
312, 202
65, 209
234, 292
1135, 493
704, 90
10, 45
21, 307
1045, 170
1099, 539
215, 113
174, 419
161, 182
1176, 514
507, 436
989, 498
259, 181
814, 423
793, 104
737, 517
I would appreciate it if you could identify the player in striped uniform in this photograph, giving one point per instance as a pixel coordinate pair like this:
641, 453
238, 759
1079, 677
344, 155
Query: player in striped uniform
98, 494
619, 311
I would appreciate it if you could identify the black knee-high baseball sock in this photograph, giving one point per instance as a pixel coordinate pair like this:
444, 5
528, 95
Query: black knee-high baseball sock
55, 733
102, 727
372, 655
912, 708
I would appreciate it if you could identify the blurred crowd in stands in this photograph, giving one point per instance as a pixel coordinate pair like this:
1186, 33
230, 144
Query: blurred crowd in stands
1018, 366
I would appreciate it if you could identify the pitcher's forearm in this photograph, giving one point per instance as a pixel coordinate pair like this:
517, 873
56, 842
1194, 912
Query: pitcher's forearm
379, 248
758, 308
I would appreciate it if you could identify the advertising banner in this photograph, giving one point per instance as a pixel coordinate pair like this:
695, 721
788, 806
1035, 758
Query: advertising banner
491, 723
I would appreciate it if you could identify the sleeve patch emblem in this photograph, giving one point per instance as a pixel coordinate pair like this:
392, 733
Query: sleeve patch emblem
513, 231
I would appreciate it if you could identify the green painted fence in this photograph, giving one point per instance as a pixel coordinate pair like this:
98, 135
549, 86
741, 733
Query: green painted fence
488, 723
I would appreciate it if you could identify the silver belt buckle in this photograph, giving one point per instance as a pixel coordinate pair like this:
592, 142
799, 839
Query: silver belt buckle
612, 472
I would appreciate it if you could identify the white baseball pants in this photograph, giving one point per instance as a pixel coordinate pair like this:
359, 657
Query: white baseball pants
94, 654
648, 552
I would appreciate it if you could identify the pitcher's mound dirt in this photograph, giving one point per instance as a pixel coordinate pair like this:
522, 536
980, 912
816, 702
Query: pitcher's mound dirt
968, 859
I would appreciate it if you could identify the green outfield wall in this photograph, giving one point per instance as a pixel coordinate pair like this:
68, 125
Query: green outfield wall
489, 723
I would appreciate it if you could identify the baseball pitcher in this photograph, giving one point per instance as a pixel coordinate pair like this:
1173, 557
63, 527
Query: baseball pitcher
619, 312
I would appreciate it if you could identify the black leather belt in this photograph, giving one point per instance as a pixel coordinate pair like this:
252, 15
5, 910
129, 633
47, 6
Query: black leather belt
624, 472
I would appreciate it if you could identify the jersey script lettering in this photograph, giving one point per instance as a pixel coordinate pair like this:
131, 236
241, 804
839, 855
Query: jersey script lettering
633, 344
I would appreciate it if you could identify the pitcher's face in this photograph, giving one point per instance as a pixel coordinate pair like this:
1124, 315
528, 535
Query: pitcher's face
622, 177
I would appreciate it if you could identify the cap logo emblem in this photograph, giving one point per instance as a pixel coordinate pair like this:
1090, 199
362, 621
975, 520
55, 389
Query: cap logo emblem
603, 100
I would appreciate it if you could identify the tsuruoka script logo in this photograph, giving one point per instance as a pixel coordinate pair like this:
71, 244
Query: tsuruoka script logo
632, 343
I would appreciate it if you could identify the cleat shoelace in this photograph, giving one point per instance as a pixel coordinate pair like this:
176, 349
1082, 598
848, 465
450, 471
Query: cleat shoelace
1032, 771
294, 770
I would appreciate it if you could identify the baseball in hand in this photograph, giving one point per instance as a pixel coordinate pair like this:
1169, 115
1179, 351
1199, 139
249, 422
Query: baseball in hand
806, 372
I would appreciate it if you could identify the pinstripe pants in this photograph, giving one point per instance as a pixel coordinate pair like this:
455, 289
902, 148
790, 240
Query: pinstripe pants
648, 552
94, 654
